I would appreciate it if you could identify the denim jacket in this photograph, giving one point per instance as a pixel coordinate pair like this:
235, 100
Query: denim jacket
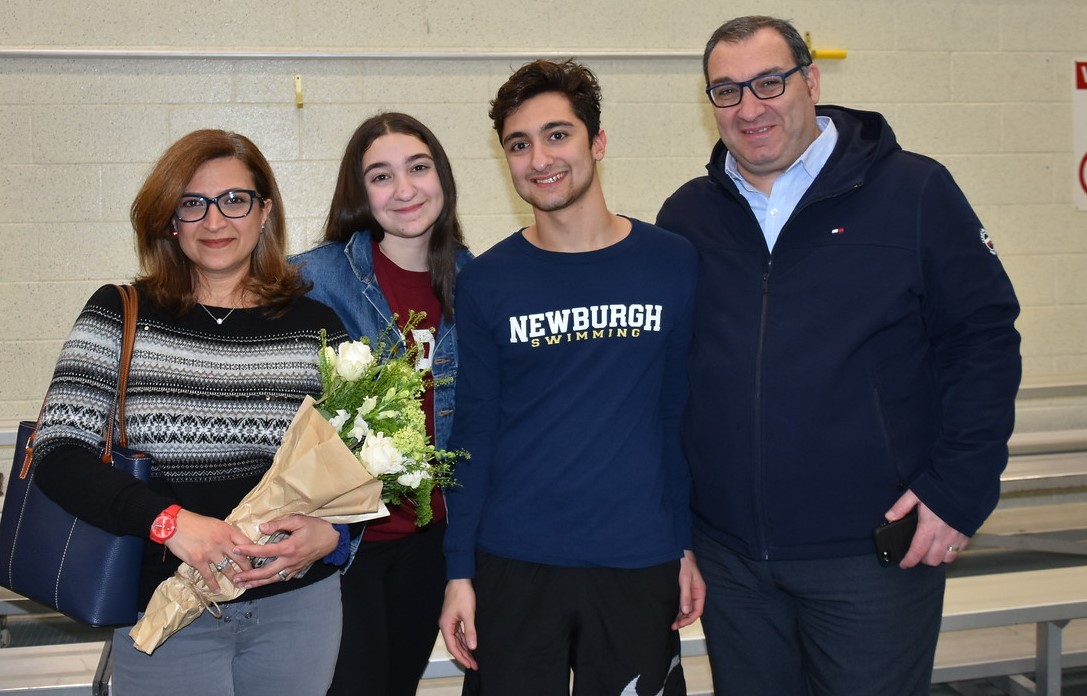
343, 278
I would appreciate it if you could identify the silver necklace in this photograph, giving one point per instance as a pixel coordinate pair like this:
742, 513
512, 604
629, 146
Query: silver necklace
217, 319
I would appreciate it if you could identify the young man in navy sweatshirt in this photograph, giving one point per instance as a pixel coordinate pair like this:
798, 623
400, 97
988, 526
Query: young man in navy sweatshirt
568, 537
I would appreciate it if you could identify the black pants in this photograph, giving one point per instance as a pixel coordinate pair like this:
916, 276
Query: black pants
392, 596
612, 627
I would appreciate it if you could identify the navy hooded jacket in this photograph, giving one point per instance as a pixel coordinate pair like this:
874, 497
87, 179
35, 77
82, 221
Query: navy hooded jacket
872, 352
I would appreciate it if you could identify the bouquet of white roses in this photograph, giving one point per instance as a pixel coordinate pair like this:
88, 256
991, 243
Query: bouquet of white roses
371, 393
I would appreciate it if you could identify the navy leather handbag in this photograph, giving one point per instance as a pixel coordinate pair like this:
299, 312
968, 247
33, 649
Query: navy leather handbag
56, 559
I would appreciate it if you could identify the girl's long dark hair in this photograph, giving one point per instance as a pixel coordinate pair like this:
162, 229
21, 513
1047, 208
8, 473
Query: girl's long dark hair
350, 210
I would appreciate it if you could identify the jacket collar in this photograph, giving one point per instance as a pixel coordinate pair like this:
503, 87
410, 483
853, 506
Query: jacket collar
864, 137
359, 251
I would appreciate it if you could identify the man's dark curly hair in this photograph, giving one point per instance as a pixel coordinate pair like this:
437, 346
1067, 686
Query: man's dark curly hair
573, 80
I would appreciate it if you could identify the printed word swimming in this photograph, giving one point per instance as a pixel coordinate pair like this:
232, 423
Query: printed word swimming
585, 323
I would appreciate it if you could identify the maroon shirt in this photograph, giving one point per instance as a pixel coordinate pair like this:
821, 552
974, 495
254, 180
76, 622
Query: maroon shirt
405, 291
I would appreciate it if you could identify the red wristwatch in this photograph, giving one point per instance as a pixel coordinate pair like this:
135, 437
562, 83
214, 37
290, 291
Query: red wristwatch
165, 524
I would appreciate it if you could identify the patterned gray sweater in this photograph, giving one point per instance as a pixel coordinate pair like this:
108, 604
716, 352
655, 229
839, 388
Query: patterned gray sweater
209, 402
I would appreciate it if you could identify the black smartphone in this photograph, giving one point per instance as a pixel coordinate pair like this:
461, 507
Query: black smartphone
278, 536
893, 539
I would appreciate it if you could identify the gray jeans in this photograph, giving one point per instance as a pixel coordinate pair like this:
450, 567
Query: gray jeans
285, 644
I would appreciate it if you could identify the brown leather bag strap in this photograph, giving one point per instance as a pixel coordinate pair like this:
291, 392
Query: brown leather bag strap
132, 312
129, 311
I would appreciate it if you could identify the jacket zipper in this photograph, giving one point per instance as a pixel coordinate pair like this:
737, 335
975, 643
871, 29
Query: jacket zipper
764, 311
729, 188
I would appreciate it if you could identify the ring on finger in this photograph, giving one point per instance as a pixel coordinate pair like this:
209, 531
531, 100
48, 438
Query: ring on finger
953, 549
222, 564
283, 575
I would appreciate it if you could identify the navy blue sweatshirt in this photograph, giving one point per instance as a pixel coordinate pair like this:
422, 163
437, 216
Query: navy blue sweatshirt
570, 391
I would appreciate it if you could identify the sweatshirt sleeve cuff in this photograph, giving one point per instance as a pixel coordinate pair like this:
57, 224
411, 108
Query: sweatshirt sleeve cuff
460, 565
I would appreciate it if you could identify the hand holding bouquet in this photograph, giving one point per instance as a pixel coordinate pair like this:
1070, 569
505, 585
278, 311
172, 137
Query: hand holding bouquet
312, 474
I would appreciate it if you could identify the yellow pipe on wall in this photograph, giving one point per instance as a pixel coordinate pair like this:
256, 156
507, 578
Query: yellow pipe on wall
828, 54
823, 53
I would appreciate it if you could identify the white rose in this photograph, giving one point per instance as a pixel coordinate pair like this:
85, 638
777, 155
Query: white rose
379, 456
410, 479
339, 419
354, 359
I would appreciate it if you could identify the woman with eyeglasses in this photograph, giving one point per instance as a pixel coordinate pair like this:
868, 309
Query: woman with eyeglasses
225, 352
393, 244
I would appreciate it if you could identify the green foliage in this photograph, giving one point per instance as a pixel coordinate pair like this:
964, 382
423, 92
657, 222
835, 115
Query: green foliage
372, 392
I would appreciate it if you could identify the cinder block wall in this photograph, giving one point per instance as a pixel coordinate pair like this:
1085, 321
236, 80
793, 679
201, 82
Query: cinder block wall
983, 85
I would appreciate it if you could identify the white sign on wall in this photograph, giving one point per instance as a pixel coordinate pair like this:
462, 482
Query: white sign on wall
1079, 121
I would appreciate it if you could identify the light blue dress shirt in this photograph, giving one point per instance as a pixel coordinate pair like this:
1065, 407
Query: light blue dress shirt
773, 211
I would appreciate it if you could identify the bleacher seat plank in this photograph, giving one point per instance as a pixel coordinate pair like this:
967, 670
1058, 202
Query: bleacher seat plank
441, 663
12, 604
1036, 519
1003, 599
442, 686
1001, 651
1036, 472
1048, 441
1053, 386
49, 670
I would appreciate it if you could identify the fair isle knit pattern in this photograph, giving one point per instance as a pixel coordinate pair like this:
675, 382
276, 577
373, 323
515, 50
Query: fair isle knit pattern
209, 402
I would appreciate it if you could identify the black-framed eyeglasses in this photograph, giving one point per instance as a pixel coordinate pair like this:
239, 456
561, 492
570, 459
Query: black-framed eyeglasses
231, 204
726, 94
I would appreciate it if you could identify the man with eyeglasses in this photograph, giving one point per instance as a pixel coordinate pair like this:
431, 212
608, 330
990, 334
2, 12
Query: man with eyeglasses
854, 362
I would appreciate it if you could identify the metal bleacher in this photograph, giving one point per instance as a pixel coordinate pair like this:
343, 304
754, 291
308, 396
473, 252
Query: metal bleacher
1001, 620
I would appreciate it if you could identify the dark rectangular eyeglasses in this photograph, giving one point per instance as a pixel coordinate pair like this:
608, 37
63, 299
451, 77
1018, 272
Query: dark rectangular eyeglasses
726, 94
231, 204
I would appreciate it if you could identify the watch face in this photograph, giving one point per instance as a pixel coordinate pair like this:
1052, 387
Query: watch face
163, 527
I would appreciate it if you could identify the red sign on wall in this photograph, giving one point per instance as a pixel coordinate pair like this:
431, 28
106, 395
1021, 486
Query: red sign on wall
1079, 135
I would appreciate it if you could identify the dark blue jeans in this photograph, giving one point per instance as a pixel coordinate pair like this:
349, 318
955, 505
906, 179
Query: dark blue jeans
824, 627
